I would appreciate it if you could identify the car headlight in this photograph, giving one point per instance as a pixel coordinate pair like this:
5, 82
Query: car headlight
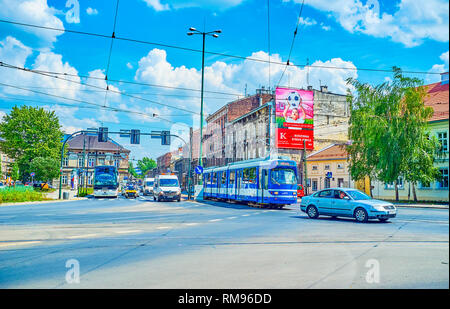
379, 208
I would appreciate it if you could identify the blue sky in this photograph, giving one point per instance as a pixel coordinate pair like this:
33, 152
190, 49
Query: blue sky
359, 34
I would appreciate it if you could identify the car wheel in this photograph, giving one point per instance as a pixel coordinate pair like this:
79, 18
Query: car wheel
312, 212
361, 215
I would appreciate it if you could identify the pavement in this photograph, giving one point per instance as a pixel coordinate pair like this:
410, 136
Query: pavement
139, 243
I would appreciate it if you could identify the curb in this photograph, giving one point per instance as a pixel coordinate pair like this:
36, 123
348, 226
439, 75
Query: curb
42, 202
422, 206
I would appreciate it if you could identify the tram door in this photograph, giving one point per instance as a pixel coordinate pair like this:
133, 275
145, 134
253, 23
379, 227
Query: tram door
263, 183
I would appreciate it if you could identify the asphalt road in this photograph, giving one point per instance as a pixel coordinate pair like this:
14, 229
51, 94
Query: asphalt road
119, 243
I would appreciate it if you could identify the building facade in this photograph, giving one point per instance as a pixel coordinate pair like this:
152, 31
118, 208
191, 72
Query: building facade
84, 153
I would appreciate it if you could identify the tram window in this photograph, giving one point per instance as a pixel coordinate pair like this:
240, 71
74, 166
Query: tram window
250, 175
232, 177
224, 178
214, 178
266, 179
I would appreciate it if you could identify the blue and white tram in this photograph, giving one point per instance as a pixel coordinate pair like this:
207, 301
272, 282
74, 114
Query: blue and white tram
269, 182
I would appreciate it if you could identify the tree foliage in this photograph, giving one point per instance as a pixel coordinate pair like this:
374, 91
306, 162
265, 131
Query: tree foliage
389, 131
146, 164
45, 168
30, 132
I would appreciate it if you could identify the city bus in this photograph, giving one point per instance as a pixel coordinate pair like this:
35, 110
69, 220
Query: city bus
106, 183
267, 182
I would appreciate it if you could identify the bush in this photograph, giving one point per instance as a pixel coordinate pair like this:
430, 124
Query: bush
85, 192
20, 194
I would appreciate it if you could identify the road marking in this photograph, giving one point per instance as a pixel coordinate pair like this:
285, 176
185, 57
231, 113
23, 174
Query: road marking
246, 215
128, 232
191, 224
231, 217
215, 220
18, 243
163, 227
81, 236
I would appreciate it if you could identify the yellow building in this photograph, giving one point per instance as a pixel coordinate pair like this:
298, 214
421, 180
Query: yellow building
328, 168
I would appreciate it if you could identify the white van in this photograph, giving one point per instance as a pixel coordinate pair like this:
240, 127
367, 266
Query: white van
166, 187
148, 186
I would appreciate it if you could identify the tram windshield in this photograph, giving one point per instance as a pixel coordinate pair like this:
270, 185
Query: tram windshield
283, 176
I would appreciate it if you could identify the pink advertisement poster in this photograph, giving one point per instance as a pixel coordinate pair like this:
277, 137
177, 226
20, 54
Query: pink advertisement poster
295, 118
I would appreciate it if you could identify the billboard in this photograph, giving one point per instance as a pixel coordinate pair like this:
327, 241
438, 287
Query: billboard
294, 110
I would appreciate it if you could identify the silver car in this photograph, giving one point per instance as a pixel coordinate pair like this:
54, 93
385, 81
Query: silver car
346, 202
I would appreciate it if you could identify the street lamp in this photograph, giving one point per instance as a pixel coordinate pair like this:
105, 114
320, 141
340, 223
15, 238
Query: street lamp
214, 34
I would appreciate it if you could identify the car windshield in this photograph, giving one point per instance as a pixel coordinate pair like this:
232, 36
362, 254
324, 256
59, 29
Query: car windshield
358, 195
284, 176
168, 182
130, 188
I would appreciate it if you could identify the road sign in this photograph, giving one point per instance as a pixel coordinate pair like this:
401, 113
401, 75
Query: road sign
329, 175
135, 137
32, 174
199, 170
165, 138
138, 170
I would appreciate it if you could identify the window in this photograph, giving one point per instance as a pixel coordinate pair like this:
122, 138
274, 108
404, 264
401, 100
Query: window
232, 177
224, 177
314, 168
89, 178
66, 161
443, 182
116, 162
283, 176
64, 179
326, 193
91, 162
327, 183
250, 175
314, 185
327, 167
391, 185
101, 161
214, 179
443, 139
80, 161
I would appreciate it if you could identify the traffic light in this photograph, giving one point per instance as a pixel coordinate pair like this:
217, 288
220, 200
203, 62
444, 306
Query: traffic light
165, 137
135, 136
102, 135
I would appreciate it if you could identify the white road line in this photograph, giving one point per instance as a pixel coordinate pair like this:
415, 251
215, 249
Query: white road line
18, 243
215, 220
163, 227
191, 224
246, 215
81, 236
128, 232
231, 217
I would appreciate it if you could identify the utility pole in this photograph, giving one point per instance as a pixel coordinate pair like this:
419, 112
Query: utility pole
204, 34
190, 161
305, 182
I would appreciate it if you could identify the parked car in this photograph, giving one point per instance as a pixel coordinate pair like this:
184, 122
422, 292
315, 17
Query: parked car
346, 202
300, 191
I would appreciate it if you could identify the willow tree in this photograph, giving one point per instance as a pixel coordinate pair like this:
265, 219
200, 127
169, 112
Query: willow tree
388, 129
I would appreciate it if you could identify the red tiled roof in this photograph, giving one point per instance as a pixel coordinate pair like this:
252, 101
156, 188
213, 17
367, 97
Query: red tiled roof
332, 153
437, 98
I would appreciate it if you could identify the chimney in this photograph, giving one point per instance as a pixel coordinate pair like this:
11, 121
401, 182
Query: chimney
323, 88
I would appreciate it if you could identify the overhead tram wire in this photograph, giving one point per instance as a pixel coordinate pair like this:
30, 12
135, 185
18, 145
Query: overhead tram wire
93, 86
115, 109
292, 44
110, 52
212, 53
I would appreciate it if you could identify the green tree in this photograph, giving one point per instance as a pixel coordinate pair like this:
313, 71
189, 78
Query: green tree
388, 129
30, 132
132, 171
15, 172
146, 164
45, 168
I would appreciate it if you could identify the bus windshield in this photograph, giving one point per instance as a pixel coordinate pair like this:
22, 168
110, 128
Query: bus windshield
105, 176
149, 183
168, 182
283, 176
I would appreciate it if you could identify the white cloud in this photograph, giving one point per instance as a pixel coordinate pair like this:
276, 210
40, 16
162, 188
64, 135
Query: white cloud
129, 65
164, 5
438, 68
91, 11
233, 78
307, 21
413, 22
34, 12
